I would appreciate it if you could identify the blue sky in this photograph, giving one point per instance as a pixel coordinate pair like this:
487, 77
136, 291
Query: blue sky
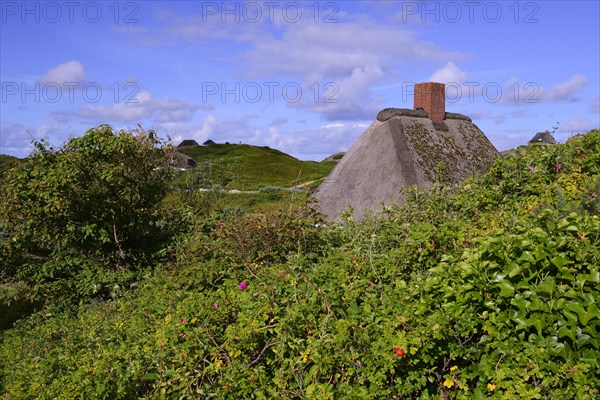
303, 77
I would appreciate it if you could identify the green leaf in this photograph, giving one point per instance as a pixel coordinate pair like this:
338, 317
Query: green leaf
584, 316
311, 373
537, 322
506, 289
582, 340
567, 331
520, 304
560, 261
562, 224
151, 376
547, 286
516, 269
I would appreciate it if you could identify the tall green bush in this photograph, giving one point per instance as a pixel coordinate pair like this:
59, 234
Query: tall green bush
90, 206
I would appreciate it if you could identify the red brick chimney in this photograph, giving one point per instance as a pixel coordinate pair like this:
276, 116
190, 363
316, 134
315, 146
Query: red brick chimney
431, 97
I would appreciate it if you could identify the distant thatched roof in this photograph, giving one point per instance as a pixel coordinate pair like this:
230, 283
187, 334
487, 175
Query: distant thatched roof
403, 148
182, 161
188, 142
335, 157
208, 142
543, 138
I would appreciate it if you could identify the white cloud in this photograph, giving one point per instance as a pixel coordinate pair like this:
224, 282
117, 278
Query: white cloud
325, 50
278, 121
16, 139
71, 71
483, 115
595, 106
44, 130
334, 125
448, 73
354, 54
513, 92
314, 143
302, 49
147, 107
565, 90
578, 124
348, 99
207, 129
219, 130
522, 112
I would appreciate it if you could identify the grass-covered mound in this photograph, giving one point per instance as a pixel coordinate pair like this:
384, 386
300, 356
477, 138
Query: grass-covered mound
486, 289
247, 167
7, 162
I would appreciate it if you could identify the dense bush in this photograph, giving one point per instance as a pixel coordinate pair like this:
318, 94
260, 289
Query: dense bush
77, 213
486, 289
253, 238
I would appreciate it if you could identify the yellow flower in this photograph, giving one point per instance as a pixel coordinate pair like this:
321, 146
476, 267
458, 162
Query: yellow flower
453, 368
491, 387
448, 383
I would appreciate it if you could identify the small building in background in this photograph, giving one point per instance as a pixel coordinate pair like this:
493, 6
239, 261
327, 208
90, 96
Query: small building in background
182, 162
188, 142
543, 138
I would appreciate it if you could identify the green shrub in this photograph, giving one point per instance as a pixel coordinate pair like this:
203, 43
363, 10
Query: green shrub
265, 238
93, 204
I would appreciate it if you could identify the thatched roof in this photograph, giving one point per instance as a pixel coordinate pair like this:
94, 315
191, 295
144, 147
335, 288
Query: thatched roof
188, 142
403, 148
208, 142
182, 161
543, 138
335, 157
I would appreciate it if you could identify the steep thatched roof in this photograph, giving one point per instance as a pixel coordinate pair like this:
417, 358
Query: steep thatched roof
403, 148
188, 142
208, 142
543, 138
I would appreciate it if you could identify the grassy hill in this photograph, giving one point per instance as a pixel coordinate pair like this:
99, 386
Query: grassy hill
247, 167
7, 162
239, 166
335, 157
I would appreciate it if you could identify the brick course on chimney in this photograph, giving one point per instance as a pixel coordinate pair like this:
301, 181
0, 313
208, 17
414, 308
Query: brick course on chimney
431, 97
